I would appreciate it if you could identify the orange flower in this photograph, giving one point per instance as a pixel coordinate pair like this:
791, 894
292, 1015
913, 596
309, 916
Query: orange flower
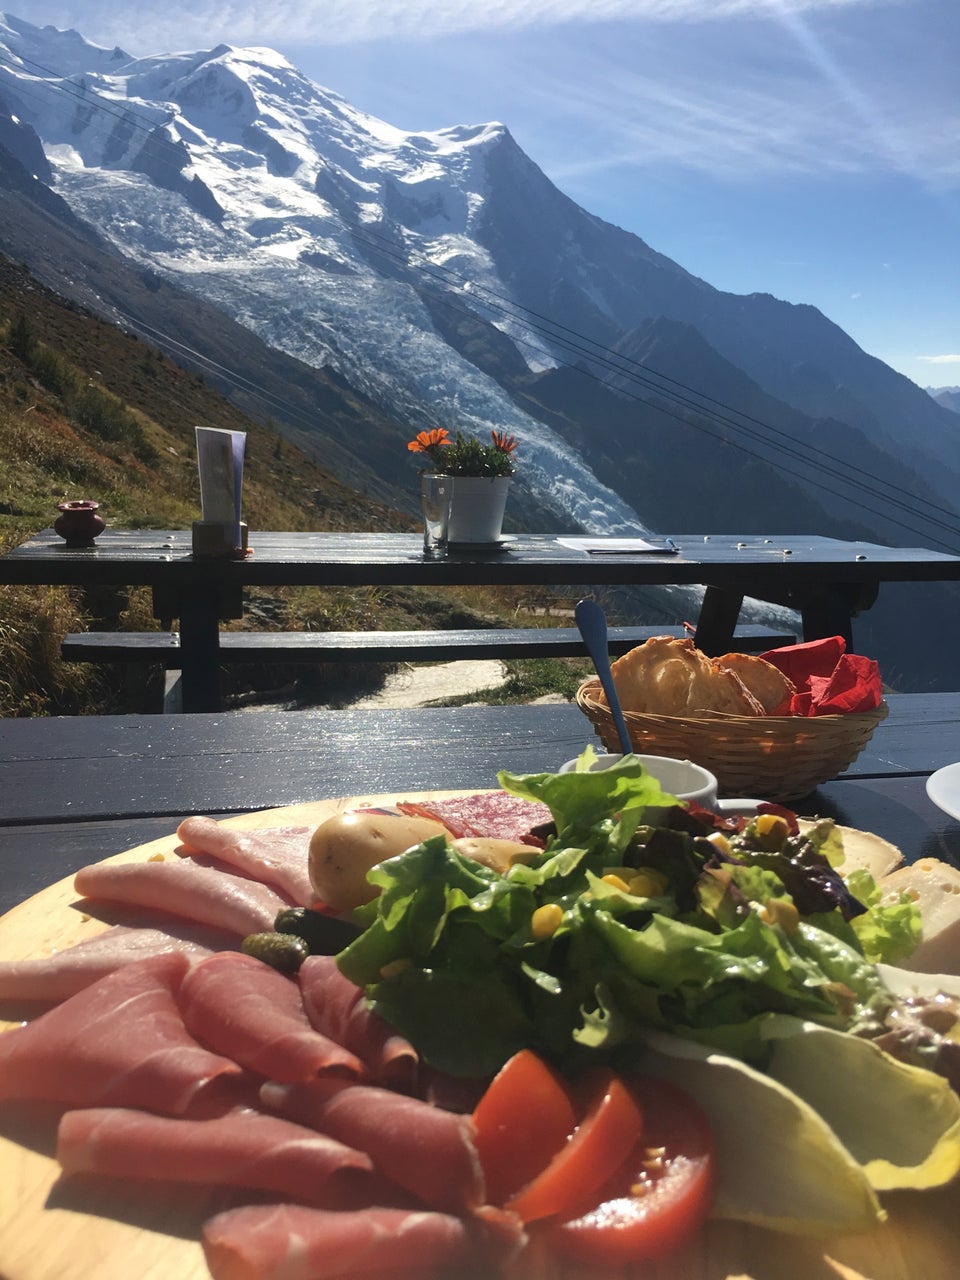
505, 443
428, 440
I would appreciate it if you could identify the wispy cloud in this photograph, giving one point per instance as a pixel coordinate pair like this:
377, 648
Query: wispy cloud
729, 87
330, 22
940, 359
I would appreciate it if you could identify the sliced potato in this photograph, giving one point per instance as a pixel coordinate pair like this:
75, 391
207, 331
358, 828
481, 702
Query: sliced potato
498, 855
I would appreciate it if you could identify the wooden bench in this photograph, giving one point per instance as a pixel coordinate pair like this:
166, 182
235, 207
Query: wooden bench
382, 646
163, 647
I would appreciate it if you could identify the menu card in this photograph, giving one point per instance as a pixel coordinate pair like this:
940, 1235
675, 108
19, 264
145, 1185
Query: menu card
620, 546
220, 463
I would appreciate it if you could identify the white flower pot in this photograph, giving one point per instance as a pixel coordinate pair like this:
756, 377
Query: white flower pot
476, 508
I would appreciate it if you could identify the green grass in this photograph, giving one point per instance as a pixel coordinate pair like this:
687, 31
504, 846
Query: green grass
87, 411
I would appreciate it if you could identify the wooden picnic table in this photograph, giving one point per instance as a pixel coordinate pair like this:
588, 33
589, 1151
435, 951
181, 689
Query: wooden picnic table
826, 580
74, 790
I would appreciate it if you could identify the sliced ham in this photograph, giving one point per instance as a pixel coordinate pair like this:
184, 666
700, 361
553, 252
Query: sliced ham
278, 856
119, 1042
495, 813
241, 1149
289, 1242
241, 1007
429, 1152
337, 1008
64, 973
186, 889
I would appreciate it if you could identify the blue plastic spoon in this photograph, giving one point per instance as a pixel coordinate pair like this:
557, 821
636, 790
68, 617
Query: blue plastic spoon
592, 624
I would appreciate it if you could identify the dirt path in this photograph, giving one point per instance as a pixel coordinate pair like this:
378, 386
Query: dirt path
416, 686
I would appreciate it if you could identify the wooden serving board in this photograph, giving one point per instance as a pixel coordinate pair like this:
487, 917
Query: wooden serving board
105, 1230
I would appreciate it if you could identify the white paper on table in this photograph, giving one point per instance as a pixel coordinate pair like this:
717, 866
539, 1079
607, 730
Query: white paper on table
220, 463
619, 546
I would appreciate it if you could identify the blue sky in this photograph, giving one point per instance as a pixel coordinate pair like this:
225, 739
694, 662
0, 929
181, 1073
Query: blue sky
804, 148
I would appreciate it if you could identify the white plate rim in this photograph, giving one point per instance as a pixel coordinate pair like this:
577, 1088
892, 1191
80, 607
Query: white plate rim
943, 788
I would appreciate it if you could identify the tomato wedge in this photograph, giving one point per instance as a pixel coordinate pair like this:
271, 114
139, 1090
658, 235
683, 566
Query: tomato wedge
661, 1193
606, 1135
521, 1122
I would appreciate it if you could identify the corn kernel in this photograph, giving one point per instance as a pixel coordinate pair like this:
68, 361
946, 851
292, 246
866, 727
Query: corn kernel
546, 920
648, 883
772, 825
395, 967
616, 882
719, 841
623, 872
778, 911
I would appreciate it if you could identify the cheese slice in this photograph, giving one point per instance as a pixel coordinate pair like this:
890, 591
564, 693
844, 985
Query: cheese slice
935, 887
862, 850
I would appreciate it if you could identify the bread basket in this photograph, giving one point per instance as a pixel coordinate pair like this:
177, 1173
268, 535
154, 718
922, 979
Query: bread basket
765, 757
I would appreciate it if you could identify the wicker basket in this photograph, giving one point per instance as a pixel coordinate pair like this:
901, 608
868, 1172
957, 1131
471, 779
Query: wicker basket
765, 757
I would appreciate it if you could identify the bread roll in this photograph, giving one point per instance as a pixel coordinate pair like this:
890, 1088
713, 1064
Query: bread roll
669, 677
767, 683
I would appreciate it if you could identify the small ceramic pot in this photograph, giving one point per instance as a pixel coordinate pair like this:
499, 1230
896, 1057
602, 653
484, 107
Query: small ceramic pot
78, 523
477, 505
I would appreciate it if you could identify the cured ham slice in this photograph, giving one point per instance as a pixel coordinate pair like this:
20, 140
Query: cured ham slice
494, 813
338, 1009
242, 1149
119, 1042
429, 1152
185, 888
277, 856
240, 1007
289, 1242
62, 974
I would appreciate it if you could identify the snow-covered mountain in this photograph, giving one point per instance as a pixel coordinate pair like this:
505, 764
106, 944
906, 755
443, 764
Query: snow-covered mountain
441, 279
339, 239
308, 221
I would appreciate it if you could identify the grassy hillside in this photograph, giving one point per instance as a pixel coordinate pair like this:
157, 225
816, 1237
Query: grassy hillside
87, 411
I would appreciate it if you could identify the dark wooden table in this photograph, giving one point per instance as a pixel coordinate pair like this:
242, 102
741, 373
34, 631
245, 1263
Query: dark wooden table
76, 790
826, 580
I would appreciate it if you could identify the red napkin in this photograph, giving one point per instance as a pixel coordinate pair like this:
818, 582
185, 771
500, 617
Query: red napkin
829, 680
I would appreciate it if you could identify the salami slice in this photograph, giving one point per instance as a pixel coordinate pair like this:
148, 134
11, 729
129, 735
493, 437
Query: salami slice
493, 813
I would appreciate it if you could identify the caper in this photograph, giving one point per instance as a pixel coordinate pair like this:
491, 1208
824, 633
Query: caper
324, 935
283, 951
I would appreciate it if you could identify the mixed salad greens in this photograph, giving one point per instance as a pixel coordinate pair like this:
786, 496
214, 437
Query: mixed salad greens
727, 957
638, 914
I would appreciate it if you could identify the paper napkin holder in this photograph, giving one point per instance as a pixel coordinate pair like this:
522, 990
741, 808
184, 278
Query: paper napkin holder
215, 539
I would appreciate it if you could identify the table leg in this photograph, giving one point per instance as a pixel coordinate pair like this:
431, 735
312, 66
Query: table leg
719, 614
200, 649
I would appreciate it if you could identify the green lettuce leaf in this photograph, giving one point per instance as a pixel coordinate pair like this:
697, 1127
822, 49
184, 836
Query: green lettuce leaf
779, 1163
900, 1122
886, 932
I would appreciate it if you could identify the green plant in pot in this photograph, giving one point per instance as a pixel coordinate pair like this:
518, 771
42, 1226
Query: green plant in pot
481, 475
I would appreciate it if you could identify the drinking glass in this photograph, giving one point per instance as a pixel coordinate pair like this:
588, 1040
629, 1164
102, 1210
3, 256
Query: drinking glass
435, 494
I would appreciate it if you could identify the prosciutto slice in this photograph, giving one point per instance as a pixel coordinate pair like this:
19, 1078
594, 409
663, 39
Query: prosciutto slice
241, 1149
60, 975
496, 813
241, 1007
277, 856
338, 1009
119, 1042
429, 1152
290, 1242
186, 889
